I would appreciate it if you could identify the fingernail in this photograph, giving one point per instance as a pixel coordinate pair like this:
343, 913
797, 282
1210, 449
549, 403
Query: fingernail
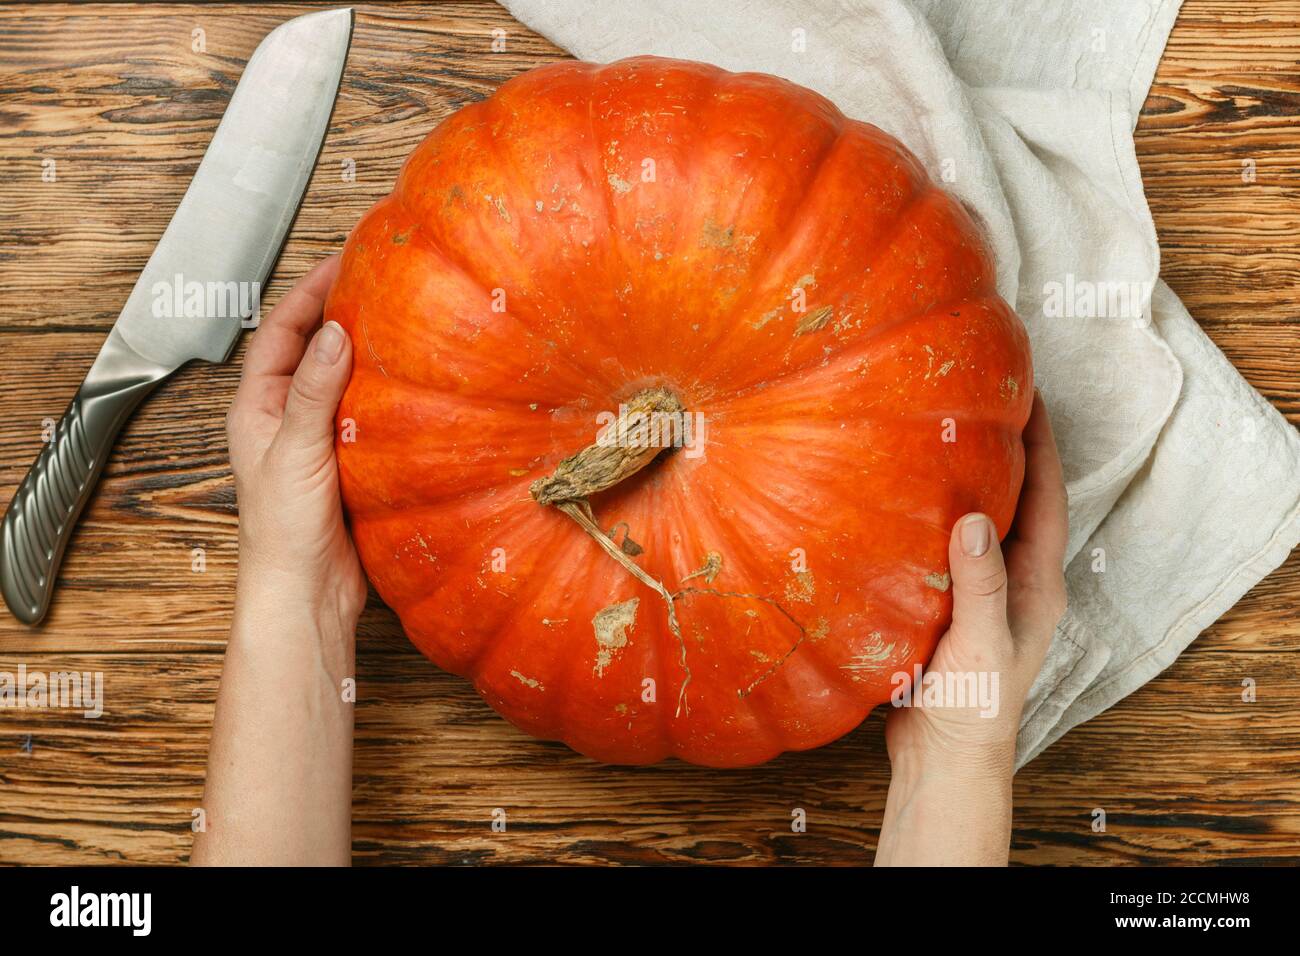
329, 343
975, 535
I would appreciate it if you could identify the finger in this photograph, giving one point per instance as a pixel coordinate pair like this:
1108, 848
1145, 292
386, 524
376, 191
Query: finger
274, 352
979, 577
1042, 520
306, 434
281, 338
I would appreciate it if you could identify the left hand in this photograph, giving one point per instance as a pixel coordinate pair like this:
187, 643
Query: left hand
292, 538
951, 766
279, 784
1004, 614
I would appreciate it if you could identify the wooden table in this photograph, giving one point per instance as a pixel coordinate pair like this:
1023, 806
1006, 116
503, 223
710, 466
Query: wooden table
118, 98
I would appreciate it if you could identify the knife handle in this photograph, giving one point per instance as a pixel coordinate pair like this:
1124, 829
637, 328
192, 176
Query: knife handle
44, 510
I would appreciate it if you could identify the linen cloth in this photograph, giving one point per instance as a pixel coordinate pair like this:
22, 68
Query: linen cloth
1184, 483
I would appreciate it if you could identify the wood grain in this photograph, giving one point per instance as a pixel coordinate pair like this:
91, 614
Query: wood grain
1185, 771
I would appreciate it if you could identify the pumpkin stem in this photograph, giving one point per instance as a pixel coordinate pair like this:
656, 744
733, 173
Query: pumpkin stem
621, 450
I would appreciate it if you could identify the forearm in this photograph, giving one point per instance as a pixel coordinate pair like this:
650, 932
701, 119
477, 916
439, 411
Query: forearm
948, 817
279, 784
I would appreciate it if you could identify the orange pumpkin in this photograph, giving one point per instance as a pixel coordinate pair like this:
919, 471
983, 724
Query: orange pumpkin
722, 251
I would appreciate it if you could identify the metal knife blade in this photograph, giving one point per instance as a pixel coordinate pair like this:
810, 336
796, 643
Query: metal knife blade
191, 300
233, 220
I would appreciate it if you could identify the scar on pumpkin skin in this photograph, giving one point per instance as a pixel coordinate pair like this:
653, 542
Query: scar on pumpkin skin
802, 588
944, 369
612, 625
374, 356
628, 545
940, 582
870, 660
712, 567
499, 204
715, 237
527, 681
814, 321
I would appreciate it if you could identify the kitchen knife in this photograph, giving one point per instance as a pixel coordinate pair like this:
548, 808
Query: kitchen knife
220, 246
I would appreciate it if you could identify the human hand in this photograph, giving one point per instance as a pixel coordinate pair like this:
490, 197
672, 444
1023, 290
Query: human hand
950, 789
279, 781
292, 540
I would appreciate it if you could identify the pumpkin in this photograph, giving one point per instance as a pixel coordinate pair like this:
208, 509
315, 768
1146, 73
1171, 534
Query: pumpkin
597, 251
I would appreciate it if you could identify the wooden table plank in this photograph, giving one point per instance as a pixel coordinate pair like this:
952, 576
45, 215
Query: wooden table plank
1186, 772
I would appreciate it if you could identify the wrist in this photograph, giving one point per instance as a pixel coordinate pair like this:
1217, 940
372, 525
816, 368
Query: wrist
317, 572
273, 591
948, 807
987, 765
282, 622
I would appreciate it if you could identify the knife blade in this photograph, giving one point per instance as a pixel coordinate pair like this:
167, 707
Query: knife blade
200, 286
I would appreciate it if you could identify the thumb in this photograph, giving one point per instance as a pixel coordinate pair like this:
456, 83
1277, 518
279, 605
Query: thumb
307, 427
979, 576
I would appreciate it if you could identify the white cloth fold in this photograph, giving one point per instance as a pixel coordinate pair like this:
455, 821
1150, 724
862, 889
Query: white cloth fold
1184, 483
